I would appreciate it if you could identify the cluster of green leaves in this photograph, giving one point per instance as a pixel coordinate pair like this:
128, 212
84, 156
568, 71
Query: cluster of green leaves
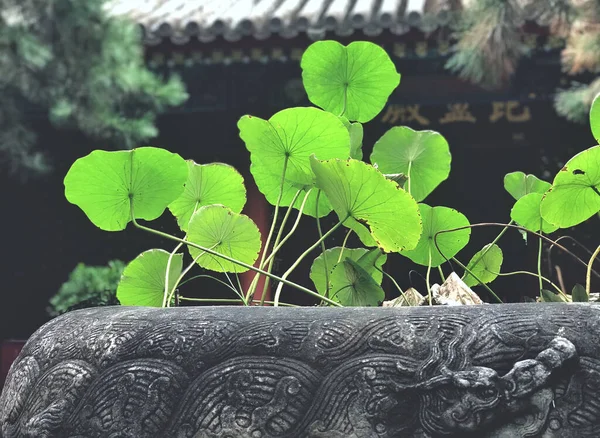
88, 286
304, 160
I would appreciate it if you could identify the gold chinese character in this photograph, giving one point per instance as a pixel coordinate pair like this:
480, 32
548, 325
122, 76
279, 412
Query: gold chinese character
296, 54
421, 49
458, 112
257, 54
237, 55
277, 53
443, 47
217, 56
400, 50
509, 110
404, 114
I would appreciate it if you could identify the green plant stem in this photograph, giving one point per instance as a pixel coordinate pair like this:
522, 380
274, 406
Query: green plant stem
427, 282
395, 284
488, 247
588, 275
539, 263
408, 177
228, 300
232, 260
344, 245
166, 294
496, 224
254, 283
506, 274
214, 278
489, 289
441, 273
185, 271
278, 245
300, 258
323, 247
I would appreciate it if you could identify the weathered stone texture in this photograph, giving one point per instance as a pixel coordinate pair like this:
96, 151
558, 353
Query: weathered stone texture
530, 370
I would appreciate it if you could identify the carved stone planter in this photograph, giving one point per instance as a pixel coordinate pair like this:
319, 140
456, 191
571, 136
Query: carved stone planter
520, 370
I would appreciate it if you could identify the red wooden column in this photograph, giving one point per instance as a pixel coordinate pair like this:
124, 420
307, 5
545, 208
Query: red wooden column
259, 210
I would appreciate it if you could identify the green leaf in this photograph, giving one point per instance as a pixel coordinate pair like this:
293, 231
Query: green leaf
368, 260
354, 81
595, 118
579, 295
423, 156
232, 234
352, 285
356, 137
548, 296
518, 184
103, 183
294, 135
487, 267
436, 219
143, 280
374, 207
575, 193
526, 212
207, 184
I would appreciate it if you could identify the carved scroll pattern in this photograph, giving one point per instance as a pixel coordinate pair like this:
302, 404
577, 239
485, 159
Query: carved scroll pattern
122, 373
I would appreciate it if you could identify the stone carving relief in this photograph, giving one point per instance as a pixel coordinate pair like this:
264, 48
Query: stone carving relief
486, 371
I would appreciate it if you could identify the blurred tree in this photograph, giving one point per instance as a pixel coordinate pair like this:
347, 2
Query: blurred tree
83, 68
490, 43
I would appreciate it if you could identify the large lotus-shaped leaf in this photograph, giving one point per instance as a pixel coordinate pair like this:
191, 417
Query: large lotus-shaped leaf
106, 184
423, 156
353, 81
143, 280
371, 262
287, 140
436, 219
353, 285
518, 184
232, 234
207, 184
374, 207
485, 264
526, 212
575, 193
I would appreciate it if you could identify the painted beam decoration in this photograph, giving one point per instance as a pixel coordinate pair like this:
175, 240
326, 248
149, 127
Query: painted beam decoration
490, 371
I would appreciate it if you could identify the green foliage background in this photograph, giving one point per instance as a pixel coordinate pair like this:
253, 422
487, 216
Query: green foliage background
88, 286
86, 69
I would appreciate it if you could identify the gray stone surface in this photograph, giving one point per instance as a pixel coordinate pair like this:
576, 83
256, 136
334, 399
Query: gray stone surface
231, 372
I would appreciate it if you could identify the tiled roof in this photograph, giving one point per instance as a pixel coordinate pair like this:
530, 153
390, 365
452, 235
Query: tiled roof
182, 20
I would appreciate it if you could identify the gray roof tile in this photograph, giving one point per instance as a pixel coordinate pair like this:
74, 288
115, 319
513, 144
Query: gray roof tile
181, 20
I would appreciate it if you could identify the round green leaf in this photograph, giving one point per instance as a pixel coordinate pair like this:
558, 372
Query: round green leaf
232, 234
207, 184
423, 156
352, 285
526, 212
518, 184
356, 137
436, 219
353, 81
143, 280
292, 136
331, 257
595, 118
374, 207
487, 267
575, 193
103, 183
